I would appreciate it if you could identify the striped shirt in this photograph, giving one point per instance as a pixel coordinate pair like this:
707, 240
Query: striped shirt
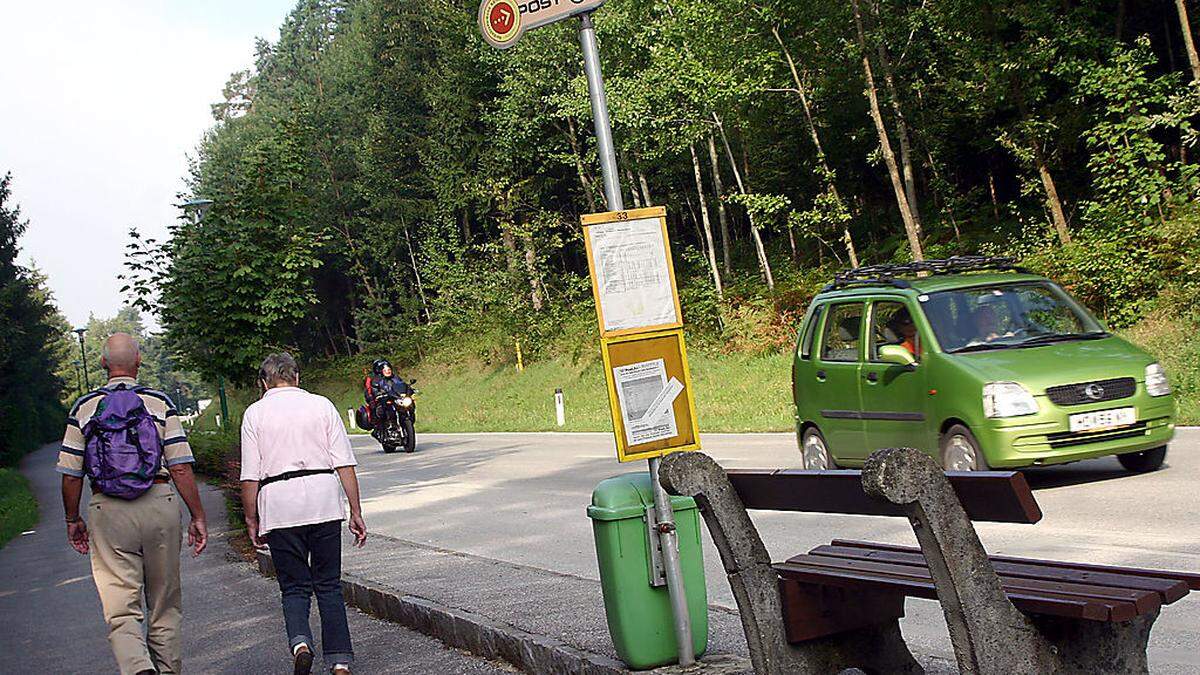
175, 446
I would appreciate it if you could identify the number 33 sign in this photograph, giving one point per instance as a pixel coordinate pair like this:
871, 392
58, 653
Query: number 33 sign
504, 21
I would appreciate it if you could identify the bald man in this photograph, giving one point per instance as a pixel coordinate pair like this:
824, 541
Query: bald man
134, 543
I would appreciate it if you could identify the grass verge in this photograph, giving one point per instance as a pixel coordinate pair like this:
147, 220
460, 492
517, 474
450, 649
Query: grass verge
18, 508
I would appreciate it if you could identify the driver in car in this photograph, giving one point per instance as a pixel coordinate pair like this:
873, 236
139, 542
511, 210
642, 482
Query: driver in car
902, 325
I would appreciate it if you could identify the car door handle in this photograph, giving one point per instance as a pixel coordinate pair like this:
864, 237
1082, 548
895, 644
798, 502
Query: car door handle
872, 376
820, 376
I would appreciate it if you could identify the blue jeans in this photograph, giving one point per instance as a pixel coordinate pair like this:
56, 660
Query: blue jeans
308, 561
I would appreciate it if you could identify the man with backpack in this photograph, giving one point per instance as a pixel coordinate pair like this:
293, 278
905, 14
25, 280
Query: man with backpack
127, 441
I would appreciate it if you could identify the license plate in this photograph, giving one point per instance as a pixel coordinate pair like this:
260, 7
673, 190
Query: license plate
1103, 419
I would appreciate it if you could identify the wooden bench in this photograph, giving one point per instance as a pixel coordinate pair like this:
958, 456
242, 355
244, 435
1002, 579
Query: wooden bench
818, 612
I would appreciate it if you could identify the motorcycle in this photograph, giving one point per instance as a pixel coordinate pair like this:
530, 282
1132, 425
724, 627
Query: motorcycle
396, 417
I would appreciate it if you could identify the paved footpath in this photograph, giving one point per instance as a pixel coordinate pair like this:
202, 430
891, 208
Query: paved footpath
50, 619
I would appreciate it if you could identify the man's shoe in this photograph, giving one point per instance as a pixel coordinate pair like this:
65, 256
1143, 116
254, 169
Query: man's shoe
302, 660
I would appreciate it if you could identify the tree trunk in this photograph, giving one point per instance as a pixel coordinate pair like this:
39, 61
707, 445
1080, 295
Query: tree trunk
910, 180
708, 236
1190, 46
722, 215
633, 188
510, 248
535, 280
754, 231
1052, 200
759, 250
1120, 19
816, 139
645, 189
911, 227
992, 191
589, 189
412, 258
465, 226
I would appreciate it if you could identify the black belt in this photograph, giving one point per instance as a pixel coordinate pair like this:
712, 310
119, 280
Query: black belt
288, 475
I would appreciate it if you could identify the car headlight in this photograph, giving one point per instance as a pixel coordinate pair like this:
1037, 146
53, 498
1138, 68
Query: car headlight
1156, 380
1007, 399
405, 401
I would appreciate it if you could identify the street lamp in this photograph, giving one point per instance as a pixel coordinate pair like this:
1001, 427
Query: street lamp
87, 380
195, 209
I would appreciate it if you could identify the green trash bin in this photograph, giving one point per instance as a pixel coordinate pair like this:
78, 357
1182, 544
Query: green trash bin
639, 613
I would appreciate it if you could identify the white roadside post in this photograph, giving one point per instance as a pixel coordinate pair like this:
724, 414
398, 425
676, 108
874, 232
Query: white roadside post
350, 419
559, 409
502, 23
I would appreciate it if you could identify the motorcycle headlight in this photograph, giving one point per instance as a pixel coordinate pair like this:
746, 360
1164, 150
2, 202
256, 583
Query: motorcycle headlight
1007, 399
406, 401
1156, 380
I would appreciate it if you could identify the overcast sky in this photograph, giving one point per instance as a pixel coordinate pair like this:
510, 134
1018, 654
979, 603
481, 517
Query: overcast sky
100, 104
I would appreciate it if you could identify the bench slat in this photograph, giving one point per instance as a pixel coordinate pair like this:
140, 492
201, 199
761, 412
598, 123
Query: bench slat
1071, 607
1190, 578
1144, 601
996, 496
1168, 590
1120, 604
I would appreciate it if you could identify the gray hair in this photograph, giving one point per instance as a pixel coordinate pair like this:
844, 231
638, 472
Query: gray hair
279, 370
120, 350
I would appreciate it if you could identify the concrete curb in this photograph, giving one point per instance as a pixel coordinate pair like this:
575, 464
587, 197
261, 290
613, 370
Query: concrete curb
491, 639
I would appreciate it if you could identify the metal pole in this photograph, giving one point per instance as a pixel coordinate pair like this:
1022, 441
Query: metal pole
604, 141
669, 540
221, 393
612, 193
87, 380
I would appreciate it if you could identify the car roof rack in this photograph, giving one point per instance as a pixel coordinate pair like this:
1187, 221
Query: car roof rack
890, 274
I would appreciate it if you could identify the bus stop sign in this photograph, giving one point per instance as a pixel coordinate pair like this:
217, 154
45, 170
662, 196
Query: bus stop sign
502, 22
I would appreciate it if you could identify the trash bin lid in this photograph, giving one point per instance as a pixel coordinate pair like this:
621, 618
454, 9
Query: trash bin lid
627, 496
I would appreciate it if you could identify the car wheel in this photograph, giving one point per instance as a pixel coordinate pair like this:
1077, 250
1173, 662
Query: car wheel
960, 450
815, 453
1144, 461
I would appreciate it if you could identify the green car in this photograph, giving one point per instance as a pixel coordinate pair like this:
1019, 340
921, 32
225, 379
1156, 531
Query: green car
976, 362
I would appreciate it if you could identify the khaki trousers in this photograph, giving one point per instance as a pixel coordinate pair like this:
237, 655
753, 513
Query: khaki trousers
135, 551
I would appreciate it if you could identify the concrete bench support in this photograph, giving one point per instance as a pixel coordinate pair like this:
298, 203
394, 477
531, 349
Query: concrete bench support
875, 649
988, 633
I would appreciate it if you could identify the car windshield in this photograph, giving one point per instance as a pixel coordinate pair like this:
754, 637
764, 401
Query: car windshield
1006, 316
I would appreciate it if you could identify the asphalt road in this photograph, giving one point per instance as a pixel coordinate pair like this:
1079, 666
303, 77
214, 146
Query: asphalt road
50, 620
522, 498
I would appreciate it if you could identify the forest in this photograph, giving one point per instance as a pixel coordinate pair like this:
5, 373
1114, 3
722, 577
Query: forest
383, 181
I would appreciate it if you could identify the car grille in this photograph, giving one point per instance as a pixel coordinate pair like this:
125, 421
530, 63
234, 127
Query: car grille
1067, 439
1100, 390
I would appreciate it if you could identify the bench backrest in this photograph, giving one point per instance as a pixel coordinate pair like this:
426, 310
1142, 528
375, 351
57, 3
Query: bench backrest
996, 496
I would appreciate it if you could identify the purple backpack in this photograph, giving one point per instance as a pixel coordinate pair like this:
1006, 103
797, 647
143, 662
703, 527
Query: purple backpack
122, 451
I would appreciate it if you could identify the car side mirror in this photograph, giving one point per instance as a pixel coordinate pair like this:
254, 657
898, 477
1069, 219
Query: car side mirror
898, 355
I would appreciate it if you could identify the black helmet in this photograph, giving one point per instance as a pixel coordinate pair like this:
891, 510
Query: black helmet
377, 367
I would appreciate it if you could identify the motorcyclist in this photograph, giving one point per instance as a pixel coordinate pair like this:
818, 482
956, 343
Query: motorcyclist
383, 382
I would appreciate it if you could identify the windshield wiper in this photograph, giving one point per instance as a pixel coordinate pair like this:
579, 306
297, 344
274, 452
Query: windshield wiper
986, 346
1062, 337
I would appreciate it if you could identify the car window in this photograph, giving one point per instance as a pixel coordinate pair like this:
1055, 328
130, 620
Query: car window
810, 332
892, 324
841, 338
1007, 315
